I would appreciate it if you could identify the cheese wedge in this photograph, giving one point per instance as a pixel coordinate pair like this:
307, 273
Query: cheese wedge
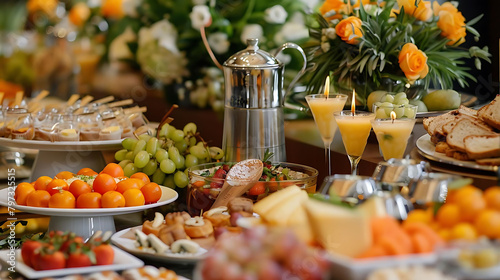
270, 201
299, 223
339, 230
373, 207
281, 213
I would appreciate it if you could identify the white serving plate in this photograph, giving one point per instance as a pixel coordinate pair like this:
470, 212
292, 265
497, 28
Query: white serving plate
61, 145
122, 261
124, 240
427, 149
168, 195
358, 269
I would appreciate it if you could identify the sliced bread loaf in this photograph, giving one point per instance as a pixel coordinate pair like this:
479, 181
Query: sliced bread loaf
490, 113
482, 146
464, 128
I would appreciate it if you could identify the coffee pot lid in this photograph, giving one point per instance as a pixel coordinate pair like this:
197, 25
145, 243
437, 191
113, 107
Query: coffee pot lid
252, 57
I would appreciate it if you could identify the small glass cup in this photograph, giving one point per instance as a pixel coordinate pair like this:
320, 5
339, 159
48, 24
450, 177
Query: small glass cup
2, 121
46, 129
19, 124
90, 125
111, 129
68, 128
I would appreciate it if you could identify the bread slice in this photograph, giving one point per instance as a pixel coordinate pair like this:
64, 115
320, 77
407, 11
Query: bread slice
482, 146
490, 113
489, 161
464, 128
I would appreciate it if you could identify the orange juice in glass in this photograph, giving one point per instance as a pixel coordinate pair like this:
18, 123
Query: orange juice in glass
322, 107
355, 128
393, 126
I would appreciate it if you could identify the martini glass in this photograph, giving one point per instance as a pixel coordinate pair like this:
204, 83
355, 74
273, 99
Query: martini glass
392, 126
322, 107
355, 128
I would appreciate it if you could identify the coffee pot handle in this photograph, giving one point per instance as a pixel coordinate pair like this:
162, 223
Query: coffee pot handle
304, 65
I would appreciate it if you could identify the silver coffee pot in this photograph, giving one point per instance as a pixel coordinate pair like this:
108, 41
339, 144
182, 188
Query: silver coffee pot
254, 101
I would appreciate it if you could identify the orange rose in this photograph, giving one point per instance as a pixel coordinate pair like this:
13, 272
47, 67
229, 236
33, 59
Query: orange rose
112, 9
46, 6
451, 22
413, 62
421, 11
349, 30
79, 13
331, 9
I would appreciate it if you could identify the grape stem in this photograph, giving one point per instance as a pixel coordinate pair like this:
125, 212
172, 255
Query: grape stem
166, 119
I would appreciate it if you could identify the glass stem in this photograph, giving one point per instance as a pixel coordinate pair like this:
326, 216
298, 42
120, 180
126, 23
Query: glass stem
354, 160
328, 161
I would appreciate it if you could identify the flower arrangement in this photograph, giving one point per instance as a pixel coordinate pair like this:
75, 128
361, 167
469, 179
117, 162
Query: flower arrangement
163, 39
375, 44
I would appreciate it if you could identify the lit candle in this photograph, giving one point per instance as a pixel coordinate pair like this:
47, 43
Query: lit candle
393, 116
327, 86
353, 102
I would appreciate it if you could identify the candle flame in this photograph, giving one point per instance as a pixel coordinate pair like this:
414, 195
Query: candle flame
353, 102
393, 116
327, 86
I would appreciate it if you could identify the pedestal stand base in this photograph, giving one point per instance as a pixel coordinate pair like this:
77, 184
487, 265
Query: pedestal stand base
82, 226
49, 163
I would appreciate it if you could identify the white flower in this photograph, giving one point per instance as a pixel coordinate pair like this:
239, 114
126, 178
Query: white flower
199, 2
129, 7
325, 46
166, 34
118, 49
94, 3
330, 33
276, 14
200, 16
161, 63
293, 30
284, 58
218, 42
251, 31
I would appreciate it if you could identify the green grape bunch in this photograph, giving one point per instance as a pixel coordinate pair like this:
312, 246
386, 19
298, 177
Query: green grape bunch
166, 157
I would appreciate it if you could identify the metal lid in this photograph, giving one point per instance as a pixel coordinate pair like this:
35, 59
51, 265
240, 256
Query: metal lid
252, 57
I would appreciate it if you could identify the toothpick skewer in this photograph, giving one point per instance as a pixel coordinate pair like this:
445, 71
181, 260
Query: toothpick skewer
104, 100
121, 103
73, 99
86, 100
1, 98
34, 103
135, 110
18, 99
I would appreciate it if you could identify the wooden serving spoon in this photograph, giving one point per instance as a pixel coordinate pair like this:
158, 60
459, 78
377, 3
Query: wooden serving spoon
241, 177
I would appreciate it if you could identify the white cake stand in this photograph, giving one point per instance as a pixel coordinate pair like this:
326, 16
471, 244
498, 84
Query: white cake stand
54, 157
85, 221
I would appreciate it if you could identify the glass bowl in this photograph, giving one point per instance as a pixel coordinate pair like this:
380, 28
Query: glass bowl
203, 189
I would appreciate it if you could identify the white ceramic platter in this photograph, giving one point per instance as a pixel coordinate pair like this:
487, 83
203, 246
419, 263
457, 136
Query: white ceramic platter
61, 145
124, 240
427, 149
122, 261
168, 195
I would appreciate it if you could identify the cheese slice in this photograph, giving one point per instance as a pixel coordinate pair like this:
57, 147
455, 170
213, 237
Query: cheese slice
299, 223
281, 212
373, 207
339, 230
273, 199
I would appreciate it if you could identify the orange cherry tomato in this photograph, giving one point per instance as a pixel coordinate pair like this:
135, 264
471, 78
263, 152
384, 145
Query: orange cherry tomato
86, 172
79, 187
65, 175
22, 192
112, 199
142, 176
38, 198
132, 183
114, 170
133, 197
152, 192
55, 185
257, 189
41, 183
62, 199
104, 183
89, 200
